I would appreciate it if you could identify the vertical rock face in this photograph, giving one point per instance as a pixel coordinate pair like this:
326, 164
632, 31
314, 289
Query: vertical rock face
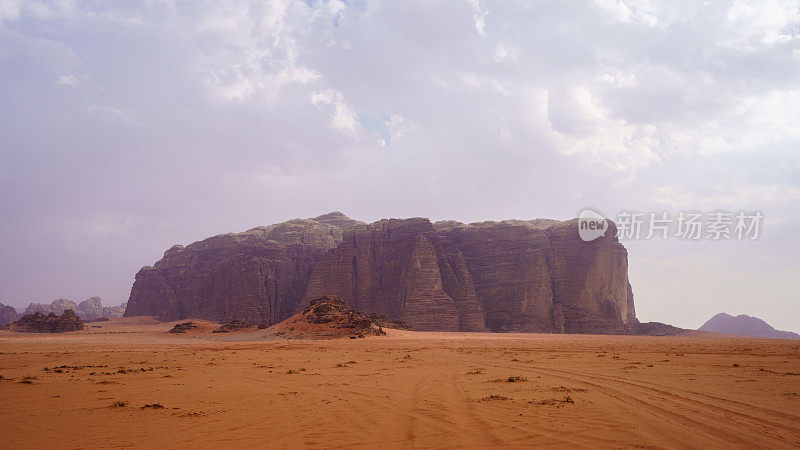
509, 270
500, 276
401, 269
590, 280
258, 276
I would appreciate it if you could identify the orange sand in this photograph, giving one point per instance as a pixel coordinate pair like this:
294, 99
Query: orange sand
407, 389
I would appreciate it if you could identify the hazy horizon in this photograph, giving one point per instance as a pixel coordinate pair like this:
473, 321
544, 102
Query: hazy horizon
126, 129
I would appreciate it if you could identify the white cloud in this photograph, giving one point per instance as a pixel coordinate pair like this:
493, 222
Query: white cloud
629, 11
480, 82
67, 80
740, 196
9, 10
323, 98
479, 16
763, 23
504, 54
343, 118
398, 126
618, 103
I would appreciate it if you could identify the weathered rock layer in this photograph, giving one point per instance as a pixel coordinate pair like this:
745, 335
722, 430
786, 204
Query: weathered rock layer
499, 276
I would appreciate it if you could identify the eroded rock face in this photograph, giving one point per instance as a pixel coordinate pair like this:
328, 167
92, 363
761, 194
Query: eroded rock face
500, 276
401, 269
7, 315
258, 276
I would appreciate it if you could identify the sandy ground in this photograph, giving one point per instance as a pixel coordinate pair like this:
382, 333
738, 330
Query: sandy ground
408, 389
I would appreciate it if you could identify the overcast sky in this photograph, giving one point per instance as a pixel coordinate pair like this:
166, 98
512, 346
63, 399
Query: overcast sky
126, 127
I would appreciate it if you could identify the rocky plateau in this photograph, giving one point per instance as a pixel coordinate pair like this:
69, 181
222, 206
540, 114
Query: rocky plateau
514, 275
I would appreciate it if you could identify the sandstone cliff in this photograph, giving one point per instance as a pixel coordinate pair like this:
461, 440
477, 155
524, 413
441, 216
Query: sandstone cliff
258, 276
500, 276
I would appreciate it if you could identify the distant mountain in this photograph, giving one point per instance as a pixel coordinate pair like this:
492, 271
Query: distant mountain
57, 307
7, 315
745, 326
89, 309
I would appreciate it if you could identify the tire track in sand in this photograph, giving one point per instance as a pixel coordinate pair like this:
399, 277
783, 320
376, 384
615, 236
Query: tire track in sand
439, 415
670, 409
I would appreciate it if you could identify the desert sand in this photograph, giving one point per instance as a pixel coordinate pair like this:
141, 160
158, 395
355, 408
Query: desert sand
406, 389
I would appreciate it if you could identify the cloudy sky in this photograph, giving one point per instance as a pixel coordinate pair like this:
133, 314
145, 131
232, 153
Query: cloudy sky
126, 127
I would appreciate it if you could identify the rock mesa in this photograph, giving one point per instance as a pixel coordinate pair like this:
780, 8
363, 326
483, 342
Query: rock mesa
497, 276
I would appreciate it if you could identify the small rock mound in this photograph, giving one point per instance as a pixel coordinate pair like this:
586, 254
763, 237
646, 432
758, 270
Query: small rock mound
657, 329
233, 325
50, 323
183, 327
328, 318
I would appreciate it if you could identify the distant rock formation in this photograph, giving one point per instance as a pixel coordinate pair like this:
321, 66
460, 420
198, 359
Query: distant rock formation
57, 307
89, 309
115, 311
745, 326
50, 323
8, 315
500, 276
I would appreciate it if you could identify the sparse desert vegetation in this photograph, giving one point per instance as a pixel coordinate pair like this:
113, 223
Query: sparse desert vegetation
411, 388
